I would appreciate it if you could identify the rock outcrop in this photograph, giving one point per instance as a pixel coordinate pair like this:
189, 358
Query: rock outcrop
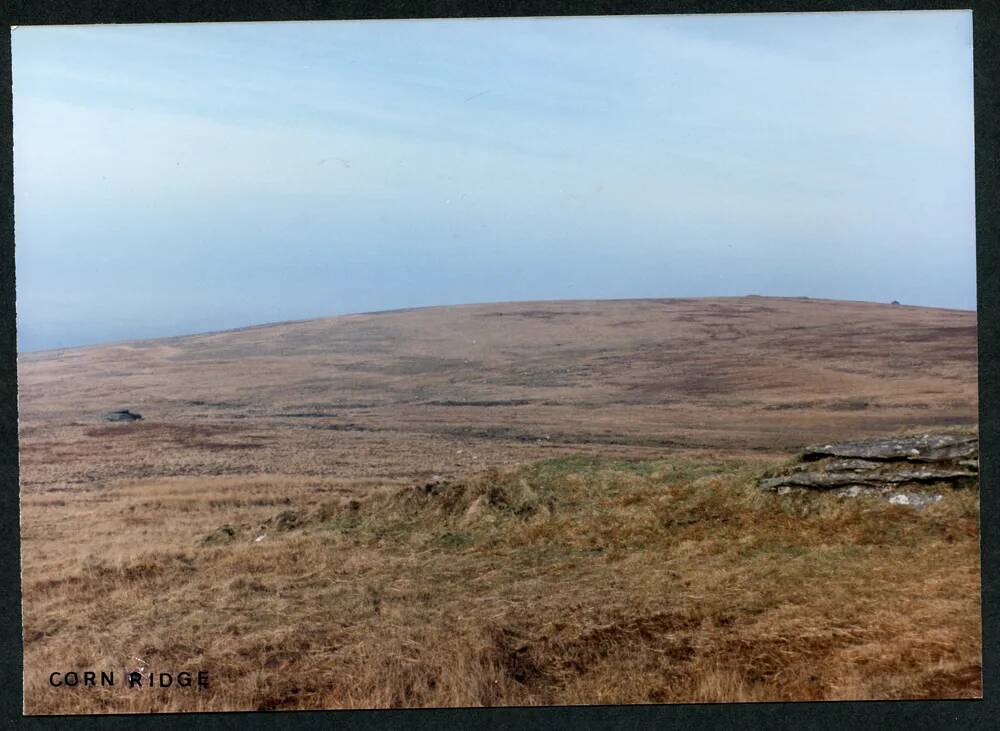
882, 465
921, 448
122, 415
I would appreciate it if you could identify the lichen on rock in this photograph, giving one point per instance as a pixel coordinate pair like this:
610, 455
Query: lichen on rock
883, 465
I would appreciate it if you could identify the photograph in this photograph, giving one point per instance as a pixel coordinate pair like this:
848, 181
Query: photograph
497, 362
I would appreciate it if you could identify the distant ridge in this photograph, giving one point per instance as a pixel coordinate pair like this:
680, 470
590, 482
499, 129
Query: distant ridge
168, 339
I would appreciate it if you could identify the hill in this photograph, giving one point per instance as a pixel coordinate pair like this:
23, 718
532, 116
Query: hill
503, 382
496, 504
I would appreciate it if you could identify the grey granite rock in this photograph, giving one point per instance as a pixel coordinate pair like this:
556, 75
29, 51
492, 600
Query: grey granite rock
882, 465
921, 448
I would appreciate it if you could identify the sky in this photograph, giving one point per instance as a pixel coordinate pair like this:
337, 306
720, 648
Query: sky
174, 179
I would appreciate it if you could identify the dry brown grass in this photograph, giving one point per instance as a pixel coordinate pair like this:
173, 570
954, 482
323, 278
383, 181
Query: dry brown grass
453, 388
600, 540
580, 580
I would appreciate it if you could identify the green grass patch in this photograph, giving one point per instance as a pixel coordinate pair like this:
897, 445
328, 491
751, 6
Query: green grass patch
455, 540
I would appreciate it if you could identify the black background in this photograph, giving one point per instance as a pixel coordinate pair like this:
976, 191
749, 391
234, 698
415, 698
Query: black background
964, 714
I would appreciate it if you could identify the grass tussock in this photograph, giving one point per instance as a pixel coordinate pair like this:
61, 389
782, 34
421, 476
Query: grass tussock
565, 581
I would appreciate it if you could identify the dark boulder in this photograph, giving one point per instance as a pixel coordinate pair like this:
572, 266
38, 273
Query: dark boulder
122, 415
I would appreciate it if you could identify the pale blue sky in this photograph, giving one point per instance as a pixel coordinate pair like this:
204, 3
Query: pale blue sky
172, 179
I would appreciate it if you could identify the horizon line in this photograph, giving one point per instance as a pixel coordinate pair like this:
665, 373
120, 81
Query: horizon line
279, 323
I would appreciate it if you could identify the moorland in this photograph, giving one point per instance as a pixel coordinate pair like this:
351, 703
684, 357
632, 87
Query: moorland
497, 504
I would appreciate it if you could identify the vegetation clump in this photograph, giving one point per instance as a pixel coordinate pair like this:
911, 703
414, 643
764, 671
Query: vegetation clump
587, 579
